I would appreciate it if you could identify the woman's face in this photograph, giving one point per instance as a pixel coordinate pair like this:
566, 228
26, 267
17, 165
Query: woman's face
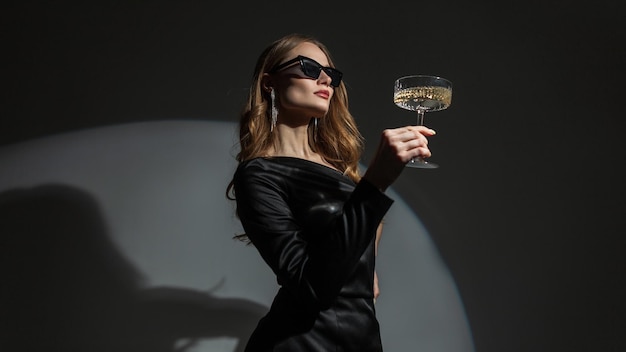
299, 95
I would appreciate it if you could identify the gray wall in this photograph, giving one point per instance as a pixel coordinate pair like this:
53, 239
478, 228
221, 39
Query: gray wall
527, 209
130, 231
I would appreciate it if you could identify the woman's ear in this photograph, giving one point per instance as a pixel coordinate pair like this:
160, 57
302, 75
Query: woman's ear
266, 83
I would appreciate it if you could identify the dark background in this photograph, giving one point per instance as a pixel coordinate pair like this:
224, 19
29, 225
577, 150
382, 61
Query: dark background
528, 207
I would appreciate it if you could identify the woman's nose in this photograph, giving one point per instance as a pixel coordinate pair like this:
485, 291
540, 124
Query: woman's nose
324, 78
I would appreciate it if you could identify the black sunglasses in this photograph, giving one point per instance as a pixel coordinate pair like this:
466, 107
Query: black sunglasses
312, 69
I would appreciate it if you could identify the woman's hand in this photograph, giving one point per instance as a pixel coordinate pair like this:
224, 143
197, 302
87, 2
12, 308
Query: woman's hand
396, 148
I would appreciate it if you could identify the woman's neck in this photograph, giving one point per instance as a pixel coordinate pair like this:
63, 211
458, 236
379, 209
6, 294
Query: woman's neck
292, 142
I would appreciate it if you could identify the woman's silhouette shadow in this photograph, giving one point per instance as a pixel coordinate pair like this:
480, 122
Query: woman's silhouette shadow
66, 287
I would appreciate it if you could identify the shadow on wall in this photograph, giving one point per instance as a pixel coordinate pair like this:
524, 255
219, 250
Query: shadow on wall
67, 288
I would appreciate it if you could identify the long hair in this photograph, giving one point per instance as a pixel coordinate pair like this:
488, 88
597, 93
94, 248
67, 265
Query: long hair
337, 138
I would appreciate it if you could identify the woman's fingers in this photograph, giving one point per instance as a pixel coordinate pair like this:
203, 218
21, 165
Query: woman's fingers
408, 142
408, 133
397, 147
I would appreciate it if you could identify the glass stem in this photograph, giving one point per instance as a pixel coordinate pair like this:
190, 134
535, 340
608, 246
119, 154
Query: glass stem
420, 117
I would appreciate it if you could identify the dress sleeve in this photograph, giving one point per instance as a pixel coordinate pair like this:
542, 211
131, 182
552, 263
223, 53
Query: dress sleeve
314, 266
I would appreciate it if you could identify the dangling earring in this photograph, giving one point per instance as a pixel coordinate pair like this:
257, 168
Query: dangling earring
315, 130
274, 110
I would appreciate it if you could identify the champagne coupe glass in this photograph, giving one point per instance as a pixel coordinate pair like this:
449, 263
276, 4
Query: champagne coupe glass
422, 93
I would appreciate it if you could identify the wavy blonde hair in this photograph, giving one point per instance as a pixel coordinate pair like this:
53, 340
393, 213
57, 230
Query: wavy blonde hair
337, 138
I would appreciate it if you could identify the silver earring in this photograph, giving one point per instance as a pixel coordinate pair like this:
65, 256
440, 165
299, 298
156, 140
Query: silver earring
274, 112
315, 130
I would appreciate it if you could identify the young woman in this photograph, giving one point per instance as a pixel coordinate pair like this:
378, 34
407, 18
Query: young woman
305, 207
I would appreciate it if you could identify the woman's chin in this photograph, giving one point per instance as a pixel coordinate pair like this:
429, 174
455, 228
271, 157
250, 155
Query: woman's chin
319, 113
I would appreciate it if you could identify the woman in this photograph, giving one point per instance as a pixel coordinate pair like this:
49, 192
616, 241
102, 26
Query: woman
303, 204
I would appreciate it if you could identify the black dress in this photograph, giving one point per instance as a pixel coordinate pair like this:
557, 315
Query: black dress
315, 228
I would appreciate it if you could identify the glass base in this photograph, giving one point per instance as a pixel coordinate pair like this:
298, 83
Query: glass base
421, 164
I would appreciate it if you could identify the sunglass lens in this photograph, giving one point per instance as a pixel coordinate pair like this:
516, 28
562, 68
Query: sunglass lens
334, 75
311, 69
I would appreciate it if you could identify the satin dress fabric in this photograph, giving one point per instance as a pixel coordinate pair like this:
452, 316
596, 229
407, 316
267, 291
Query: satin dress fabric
316, 230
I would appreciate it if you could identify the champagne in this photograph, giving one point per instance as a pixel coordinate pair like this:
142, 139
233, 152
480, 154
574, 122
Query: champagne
426, 98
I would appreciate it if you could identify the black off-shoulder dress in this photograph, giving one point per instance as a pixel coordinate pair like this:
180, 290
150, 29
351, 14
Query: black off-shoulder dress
316, 230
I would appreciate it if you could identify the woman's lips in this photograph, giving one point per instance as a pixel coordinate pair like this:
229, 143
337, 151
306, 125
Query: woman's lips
323, 93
